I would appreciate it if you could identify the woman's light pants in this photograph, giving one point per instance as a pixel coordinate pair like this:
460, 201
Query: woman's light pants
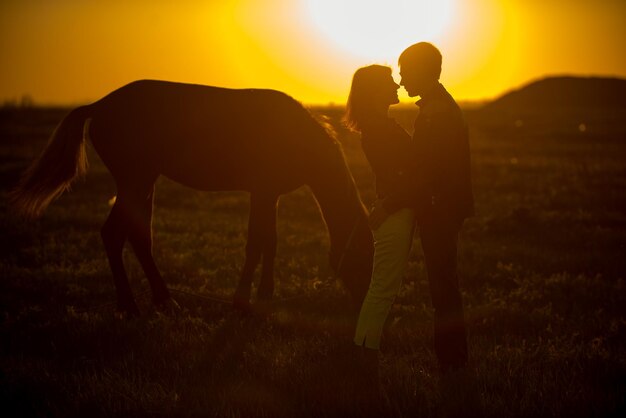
392, 244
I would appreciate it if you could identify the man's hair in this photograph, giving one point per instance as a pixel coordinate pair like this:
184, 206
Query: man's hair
425, 54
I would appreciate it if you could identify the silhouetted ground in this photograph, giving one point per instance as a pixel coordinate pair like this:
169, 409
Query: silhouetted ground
542, 267
552, 93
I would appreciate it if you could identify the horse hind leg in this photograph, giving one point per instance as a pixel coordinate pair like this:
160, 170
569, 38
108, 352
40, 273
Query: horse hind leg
139, 218
114, 234
131, 218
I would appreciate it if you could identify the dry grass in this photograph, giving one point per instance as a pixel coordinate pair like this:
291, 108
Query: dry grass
542, 270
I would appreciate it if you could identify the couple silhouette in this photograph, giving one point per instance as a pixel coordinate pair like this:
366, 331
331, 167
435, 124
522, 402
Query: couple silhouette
422, 184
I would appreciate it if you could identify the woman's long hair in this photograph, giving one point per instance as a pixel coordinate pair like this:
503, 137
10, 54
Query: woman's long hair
365, 85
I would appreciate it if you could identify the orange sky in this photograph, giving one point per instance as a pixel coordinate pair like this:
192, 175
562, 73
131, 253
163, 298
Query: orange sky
74, 51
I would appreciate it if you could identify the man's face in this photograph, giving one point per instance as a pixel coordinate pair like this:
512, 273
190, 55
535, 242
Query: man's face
414, 78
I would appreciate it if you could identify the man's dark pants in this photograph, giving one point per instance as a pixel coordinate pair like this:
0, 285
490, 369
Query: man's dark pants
439, 242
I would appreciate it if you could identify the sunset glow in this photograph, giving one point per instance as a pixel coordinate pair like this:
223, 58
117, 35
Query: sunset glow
376, 29
69, 52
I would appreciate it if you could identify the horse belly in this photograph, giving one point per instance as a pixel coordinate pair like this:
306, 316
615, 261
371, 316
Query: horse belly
235, 169
205, 172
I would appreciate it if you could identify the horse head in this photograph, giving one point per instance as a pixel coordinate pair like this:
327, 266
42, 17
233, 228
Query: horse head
353, 261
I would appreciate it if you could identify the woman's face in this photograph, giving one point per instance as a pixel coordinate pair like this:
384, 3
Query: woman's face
387, 91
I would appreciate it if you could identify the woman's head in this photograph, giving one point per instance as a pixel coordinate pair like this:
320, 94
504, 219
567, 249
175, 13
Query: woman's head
373, 90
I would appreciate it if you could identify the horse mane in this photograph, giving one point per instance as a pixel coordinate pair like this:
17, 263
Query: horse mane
324, 122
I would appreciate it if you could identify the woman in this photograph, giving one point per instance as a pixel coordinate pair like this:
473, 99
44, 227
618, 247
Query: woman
387, 148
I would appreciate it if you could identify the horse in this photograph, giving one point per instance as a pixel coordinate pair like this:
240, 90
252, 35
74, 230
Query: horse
211, 139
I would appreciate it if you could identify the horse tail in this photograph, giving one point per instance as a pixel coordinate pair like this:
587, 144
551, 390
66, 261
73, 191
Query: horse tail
63, 160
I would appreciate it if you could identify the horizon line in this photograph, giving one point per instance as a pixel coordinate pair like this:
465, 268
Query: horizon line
27, 100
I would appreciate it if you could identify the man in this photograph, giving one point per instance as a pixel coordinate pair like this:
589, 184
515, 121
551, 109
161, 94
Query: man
440, 194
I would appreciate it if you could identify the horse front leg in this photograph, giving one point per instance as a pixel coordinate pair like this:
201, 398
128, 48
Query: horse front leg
266, 286
261, 221
241, 299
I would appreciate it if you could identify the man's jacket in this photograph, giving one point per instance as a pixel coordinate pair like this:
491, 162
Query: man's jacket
440, 170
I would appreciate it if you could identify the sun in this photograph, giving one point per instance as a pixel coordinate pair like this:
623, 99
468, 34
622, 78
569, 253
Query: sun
379, 29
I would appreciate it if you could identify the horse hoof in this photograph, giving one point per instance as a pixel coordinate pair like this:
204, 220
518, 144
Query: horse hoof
263, 307
127, 312
264, 295
168, 307
242, 304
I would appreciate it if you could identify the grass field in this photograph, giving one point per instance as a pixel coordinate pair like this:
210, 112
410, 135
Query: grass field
542, 266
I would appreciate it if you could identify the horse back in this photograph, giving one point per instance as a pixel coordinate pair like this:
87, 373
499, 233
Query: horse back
210, 138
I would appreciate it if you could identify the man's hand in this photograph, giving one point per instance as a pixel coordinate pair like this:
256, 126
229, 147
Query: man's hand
377, 215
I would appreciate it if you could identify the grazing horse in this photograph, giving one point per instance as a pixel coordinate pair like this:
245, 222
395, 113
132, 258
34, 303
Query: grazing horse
207, 138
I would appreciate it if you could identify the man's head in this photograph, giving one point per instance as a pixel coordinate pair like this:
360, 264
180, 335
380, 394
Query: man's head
420, 68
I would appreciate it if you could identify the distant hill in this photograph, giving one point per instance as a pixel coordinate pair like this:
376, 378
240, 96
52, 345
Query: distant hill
564, 92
